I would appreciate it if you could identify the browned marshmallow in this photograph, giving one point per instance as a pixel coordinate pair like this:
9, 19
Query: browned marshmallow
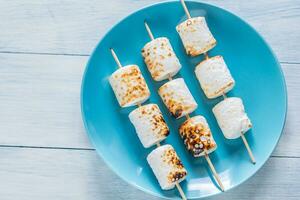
129, 86
149, 124
177, 97
160, 59
197, 136
166, 166
196, 36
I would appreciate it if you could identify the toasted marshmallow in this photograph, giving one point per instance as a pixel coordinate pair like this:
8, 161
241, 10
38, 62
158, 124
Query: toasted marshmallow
160, 59
166, 166
214, 77
196, 36
232, 118
177, 97
197, 136
149, 124
129, 86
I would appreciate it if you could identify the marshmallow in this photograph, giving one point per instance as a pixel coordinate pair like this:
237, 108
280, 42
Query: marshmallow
149, 124
231, 117
166, 166
197, 136
214, 77
160, 59
196, 36
129, 86
177, 97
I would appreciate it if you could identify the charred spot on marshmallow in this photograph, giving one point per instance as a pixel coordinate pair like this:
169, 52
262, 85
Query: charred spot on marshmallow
196, 136
157, 120
175, 176
171, 158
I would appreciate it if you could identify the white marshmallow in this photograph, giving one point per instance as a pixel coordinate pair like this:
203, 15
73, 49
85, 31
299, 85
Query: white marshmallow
166, 166
197, 136
149, 124
231, 117
160, 59
177, 97
129, 86
214, 77
196, 36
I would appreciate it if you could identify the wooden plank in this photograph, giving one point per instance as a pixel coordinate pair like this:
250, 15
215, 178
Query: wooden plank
75, 27
40, 103
63, 174
288, 142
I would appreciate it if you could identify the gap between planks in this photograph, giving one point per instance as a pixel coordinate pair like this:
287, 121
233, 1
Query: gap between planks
92, 149
87, 55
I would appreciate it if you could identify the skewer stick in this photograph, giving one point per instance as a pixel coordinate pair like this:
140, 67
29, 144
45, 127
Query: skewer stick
115, 57
224, 95
245, 142
180, 191
206, 55
212, 168
185, 9
149, 31
188, 116
248, 148
139, 104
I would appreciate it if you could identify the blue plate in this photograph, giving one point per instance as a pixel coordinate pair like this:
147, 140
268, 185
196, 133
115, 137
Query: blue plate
259, 82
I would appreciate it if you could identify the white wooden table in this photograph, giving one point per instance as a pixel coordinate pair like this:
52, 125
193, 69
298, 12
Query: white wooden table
44, 151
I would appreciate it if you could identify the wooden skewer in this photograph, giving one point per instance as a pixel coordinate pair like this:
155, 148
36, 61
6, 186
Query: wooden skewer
245, 142
185, 9
212, 168
149, 31
139, 104
206, 55
224, 95
187, 116
248, 148
180, 191
115, 57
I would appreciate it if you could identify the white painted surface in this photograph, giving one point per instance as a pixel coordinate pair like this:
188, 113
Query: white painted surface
39, 99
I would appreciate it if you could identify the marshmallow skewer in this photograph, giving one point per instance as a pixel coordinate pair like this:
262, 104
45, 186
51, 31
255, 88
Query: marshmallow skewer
188, 117
245, 142
228, 87
189, 17
246, 125
211, 166
139, 104
195, 34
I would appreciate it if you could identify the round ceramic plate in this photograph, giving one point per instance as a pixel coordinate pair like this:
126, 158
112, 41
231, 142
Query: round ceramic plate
259, 82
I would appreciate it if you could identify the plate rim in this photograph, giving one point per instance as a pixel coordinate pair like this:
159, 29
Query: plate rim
150, 192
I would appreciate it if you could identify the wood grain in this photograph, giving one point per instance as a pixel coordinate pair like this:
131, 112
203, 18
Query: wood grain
63, 174
40, 100
45, 153
75, 27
